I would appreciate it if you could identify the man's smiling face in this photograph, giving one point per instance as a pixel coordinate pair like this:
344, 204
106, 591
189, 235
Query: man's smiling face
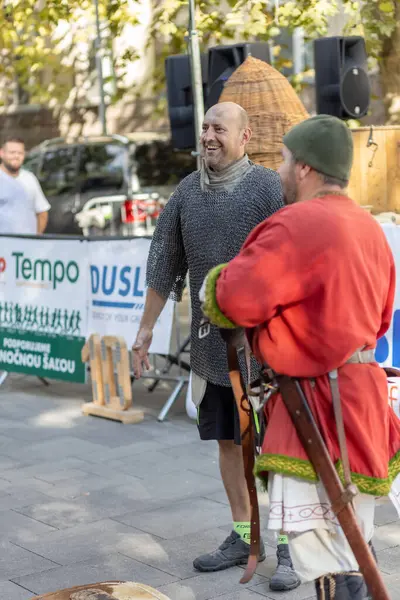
224, 135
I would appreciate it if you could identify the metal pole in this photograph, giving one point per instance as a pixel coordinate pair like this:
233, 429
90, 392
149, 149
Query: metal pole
197, 80
99, 66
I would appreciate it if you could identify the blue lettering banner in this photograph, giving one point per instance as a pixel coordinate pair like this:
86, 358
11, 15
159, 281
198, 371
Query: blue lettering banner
117, 292
388, 347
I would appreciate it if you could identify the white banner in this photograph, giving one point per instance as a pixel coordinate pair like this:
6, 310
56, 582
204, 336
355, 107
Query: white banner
55, 293
43, 307
117, 292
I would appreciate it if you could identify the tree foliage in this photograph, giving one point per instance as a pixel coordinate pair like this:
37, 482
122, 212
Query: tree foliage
45, 44
264, 20
53, 36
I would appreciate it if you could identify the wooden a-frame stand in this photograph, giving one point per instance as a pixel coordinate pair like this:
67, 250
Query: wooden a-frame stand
111, 383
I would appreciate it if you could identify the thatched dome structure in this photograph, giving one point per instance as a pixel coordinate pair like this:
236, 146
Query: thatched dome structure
272, 105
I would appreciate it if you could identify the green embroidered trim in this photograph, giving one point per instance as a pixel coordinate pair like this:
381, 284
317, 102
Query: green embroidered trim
279, 463
297, 467
210, 307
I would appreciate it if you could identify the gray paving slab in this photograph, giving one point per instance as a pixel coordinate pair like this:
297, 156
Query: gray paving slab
50, 472
27, 484
245, 594
174, 555
385, 513
178, 485
389, 560
20, 528
16, 561
87, 483
387, 536
4, 486
17, 500
196, 448
303, 592
161, 462
111, 567
7, 463
207, 585
83, 542
12, 591
58, 448
88, 507
105, 454
85, 499
220, 497
181, 518
393, 585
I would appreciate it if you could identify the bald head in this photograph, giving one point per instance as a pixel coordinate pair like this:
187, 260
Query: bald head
231, 111
225, 134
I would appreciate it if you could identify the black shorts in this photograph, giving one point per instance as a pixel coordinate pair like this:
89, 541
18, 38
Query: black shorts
217, 415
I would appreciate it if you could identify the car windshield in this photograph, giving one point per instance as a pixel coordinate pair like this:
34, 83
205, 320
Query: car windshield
157, 164
32, 163
101, 166
57, 173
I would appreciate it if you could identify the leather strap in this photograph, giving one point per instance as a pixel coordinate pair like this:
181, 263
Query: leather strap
359, 357
247, 437
362, 357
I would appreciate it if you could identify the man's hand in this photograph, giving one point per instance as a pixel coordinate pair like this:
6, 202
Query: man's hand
140, 351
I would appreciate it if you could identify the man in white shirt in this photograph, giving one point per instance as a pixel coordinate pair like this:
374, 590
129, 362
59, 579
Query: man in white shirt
23, 206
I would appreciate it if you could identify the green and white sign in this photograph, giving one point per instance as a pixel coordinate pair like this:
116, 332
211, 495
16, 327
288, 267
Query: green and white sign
56, 357
43, 307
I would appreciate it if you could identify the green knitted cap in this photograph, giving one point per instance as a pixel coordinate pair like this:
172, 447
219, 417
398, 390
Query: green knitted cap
324, 143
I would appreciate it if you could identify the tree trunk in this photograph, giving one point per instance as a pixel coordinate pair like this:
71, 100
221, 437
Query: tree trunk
390, 73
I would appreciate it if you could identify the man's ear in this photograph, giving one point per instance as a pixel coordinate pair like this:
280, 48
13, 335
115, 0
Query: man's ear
303, 170
247, 133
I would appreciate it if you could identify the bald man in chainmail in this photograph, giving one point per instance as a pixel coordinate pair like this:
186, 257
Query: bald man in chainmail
205, 222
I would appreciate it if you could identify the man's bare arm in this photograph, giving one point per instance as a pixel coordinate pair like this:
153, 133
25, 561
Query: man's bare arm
42, 219
152, 310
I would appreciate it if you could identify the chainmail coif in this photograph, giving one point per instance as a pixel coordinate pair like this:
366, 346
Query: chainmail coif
198, 230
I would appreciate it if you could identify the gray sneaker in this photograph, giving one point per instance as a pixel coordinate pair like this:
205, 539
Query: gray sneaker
233, 551
285, 577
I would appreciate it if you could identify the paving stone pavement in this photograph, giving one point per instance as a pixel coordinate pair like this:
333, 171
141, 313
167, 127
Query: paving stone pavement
84, 499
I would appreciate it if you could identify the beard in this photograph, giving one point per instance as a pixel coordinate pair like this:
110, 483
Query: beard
289, 191
11, 168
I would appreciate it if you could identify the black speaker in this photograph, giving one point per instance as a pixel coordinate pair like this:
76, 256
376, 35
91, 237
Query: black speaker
180, 99
224, 60
341, 78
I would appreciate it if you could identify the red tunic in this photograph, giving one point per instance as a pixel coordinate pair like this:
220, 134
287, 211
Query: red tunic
314, 283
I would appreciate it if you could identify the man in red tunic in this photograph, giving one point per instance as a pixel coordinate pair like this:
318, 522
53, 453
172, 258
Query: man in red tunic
314, 287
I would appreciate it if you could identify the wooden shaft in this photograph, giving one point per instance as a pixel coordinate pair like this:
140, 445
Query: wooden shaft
314, 445
247, 438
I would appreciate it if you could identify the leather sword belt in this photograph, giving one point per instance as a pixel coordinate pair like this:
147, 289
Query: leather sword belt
362, 357
359, 357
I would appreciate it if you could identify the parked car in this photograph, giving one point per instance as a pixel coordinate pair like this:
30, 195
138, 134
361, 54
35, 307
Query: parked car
72, 173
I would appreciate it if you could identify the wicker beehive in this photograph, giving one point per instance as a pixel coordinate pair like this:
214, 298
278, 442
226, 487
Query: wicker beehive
272, 105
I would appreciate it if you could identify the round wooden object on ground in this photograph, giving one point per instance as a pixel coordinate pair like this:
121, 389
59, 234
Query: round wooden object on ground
272, 105
108, 590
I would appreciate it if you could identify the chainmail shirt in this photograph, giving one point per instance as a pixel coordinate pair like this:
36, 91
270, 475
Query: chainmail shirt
198, 230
